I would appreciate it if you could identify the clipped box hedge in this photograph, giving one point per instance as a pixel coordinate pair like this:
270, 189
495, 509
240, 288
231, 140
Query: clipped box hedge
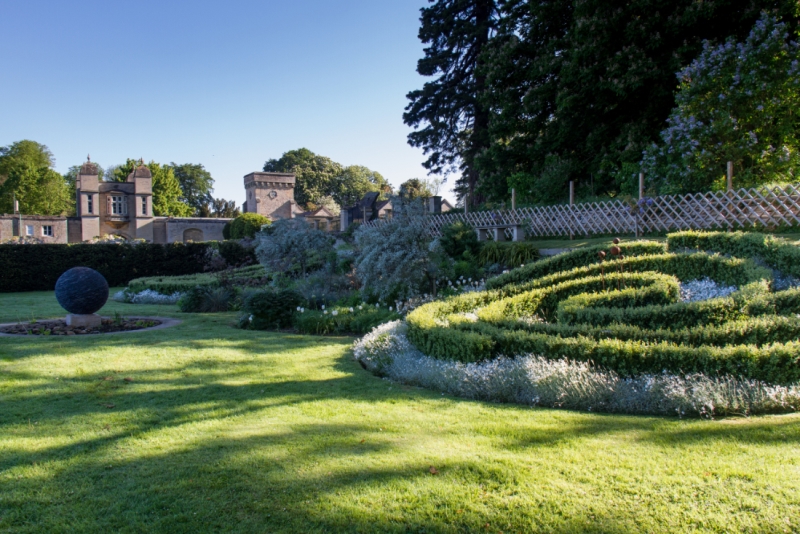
624, 315
37, 267
774, 251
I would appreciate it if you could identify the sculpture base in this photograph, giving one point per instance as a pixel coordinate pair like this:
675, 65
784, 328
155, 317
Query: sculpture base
84, 321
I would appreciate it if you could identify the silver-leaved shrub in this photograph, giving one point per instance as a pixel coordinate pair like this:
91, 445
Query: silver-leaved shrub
538, 381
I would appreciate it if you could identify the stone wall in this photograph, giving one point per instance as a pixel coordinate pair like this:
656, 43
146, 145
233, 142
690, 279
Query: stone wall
34, 226
183, 229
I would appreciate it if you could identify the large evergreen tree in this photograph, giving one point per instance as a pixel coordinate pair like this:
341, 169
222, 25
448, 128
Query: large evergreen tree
578, 89
451, 121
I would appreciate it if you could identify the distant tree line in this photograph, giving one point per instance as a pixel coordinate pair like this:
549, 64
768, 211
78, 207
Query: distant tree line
27, 176
531, 94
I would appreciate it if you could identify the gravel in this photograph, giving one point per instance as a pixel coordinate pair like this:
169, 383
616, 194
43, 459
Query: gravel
704, 289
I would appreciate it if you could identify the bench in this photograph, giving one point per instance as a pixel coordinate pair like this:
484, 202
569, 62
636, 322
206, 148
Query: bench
498, 232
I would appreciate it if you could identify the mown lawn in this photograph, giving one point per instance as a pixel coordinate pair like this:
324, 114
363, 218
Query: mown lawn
204, 428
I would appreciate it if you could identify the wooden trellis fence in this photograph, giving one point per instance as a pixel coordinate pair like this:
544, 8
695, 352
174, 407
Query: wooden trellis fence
743, 208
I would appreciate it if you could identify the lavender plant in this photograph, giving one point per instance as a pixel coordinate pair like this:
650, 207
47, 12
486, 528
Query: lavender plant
538, 381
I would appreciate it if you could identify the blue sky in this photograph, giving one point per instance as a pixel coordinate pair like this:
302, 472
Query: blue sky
226, 84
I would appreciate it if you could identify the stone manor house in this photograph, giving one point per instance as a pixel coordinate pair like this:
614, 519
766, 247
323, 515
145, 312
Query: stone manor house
126, 209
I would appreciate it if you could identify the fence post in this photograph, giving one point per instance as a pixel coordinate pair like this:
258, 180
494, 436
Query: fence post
466, 200
729, 194
513, 198
571, 203
641, 185
730, 176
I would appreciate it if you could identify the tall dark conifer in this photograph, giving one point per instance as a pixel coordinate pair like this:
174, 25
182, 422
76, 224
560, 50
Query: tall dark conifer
450, 119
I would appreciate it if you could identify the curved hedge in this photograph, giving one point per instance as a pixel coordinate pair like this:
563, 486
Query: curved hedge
624, 315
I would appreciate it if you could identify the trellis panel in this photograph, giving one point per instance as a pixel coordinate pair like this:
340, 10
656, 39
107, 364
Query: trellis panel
743, 208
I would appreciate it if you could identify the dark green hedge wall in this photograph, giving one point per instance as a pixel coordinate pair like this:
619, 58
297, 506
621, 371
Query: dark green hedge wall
37, 267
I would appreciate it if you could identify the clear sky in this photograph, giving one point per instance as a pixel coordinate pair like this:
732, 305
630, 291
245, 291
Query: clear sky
226, 84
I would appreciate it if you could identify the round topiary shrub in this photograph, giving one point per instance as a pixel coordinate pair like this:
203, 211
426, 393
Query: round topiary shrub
247, 225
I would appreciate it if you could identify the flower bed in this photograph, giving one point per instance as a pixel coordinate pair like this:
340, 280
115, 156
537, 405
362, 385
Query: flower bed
59, 327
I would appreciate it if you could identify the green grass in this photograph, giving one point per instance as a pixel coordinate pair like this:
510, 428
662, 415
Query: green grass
222, 430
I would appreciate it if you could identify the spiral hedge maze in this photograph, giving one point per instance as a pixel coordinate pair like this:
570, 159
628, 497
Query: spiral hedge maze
624, 314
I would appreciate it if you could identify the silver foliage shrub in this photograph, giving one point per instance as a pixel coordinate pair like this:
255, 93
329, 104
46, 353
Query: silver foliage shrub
292, 243
398, 259
537, 381
148, 296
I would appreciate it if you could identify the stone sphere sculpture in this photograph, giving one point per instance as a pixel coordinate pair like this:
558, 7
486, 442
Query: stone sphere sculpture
81, 290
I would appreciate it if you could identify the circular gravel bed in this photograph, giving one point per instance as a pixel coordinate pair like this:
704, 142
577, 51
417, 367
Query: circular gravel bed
59, 327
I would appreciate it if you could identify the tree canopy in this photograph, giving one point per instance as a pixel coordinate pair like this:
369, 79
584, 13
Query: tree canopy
167, 192
450, 120
532, 94
413, 189
354, 182
319, 177
26, 175
314, 174
24, 154
737, 102
196, 184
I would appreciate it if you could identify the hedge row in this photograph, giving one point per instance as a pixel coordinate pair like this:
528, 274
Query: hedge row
728, 271
166, 285
37, 267
570, 260
623, 315
774, 251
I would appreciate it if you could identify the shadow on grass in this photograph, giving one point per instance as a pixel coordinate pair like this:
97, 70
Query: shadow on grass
268, 480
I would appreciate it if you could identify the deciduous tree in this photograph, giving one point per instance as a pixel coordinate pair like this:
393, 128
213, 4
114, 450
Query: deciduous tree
314, 174
196, 184
166, 188
737, 102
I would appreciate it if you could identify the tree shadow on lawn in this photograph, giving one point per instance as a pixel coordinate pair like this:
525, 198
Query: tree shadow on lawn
276, 482
191, 336
266, 480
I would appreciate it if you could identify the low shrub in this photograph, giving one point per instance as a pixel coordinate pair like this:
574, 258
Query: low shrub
509, 254
570, 260
458, 238
268, 309
207, 300
250, 276
247, 225
563, 383
148, 296
774, 251
342, 320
